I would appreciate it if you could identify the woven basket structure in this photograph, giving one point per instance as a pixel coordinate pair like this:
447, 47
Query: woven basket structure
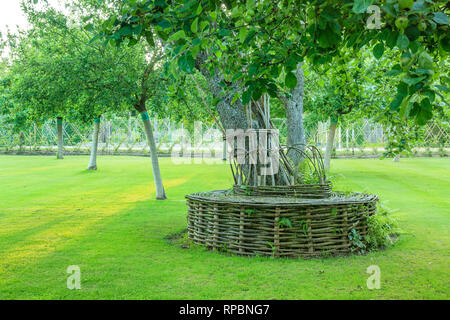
306, 191
277, 226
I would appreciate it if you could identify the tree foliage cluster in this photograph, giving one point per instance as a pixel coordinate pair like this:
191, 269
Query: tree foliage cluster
260, 43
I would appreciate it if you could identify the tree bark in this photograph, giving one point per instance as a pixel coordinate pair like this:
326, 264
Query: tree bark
59, 124
294, 116
330, 144
21, 141
93, 161
224, 150
160, 193
232, 116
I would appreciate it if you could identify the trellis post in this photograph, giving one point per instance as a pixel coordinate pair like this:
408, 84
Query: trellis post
346, 137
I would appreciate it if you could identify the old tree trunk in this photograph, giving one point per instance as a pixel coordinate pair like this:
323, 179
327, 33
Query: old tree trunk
235, 116
293, 104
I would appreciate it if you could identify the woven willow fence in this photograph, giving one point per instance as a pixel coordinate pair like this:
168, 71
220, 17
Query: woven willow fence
277, 226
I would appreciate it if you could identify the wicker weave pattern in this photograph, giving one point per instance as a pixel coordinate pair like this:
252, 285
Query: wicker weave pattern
307, 191
257, 226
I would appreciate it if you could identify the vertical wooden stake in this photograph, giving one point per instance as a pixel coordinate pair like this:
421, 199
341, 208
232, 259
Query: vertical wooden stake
309, 231
276, 241
241, 229
215, 228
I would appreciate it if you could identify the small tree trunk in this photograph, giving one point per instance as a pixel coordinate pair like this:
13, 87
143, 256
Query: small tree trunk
129, 128
21, 141
224, 150
160, 193
396, 158
35, 135
93, 162
59, 124
330, 144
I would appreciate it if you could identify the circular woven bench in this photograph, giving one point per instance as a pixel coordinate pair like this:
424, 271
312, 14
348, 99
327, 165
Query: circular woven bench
306, 191
277, 226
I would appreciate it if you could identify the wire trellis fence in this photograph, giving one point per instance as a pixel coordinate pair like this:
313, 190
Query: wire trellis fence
127, 136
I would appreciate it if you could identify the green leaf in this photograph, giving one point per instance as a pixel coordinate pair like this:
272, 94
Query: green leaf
396, 70
235, 97
393, 73
252, 69
243, 34
137, 29
186, 62
412, 32
389, 9
199, 9
286, 222
250, 36
430, 94
441, 18
402, 42
327, 38
445, 43
246, 96
414, 110
224, 32
159, 3
378, 51
412, 81
257, 93
424, 71
216, 101
195, 50
203, 25
125, 31
164, 24
426, 104
403, 107
275, 71
94, 38
395, 105
360, 6
290, 80
402, 89
194, 26
391, 39
132, 42
89, 27
425, 113
149, 38
177, 36
419, 5
442, 88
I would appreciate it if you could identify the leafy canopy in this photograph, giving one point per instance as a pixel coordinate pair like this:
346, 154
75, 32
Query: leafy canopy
259, 42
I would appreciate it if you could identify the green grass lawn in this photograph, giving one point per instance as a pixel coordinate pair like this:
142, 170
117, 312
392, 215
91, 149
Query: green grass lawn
54, 214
